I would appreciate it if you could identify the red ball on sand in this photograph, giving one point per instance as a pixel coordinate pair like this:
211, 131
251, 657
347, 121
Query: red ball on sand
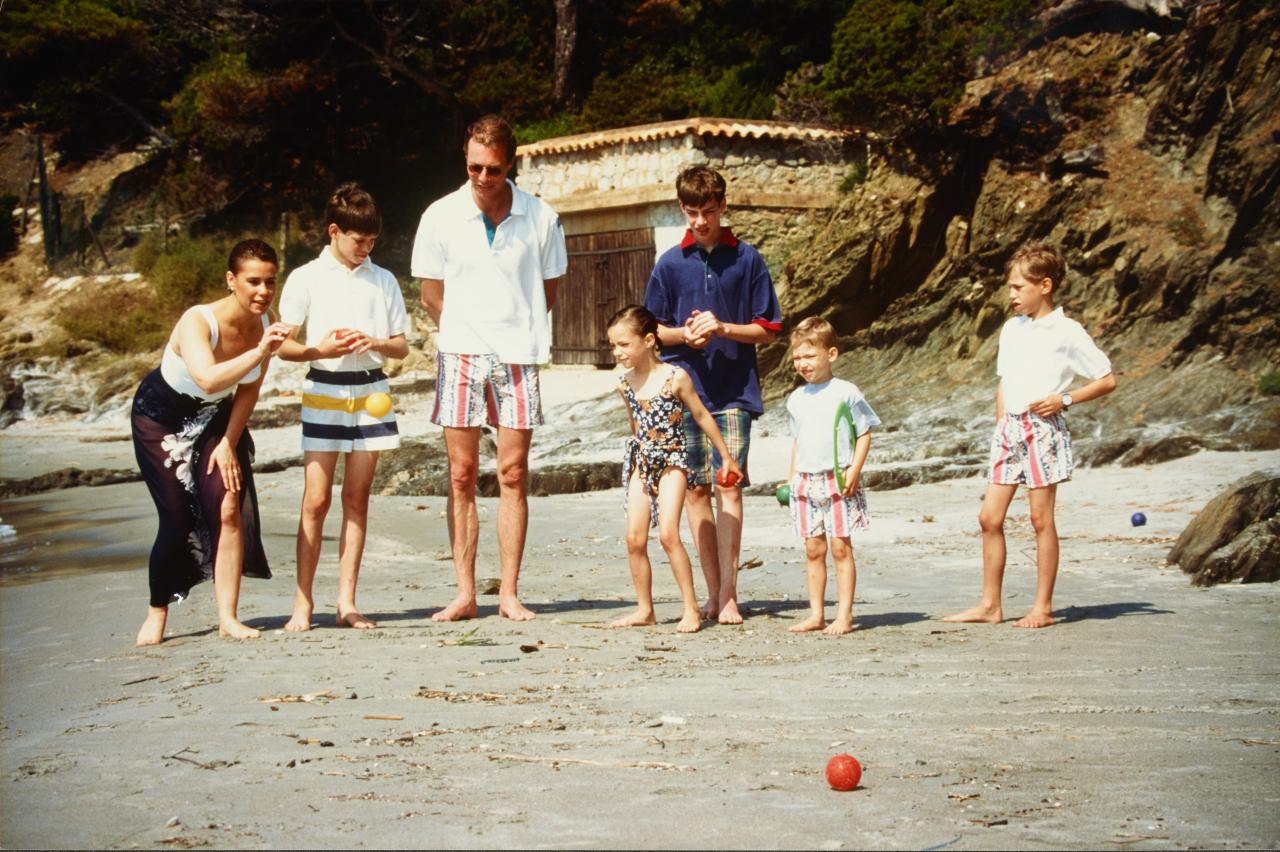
844, 772
727, 478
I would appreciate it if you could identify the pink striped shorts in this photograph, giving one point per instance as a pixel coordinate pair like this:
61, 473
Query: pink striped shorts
818, 507
1031, 450
480, 390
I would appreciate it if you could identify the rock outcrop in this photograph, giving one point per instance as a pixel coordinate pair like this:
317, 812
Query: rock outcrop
1236, 536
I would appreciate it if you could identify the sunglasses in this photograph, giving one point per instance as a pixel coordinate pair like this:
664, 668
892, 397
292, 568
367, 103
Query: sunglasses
491, 171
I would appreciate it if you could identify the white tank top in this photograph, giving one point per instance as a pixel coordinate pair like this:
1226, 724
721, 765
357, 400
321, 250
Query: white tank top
178, 377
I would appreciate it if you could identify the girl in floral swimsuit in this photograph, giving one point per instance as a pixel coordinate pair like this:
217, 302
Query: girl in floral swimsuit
654, 469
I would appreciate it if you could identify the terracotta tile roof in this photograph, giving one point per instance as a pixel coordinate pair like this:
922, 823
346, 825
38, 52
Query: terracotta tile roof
730, 127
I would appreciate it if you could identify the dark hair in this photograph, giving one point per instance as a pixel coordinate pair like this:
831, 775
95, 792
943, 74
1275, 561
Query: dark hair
246, 250
1038, 260
640, 319
492, 131
815, 330
697, 185
352, 208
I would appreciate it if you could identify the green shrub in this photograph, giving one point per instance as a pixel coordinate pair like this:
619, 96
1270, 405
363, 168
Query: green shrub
120, 317
1270, 382
856, 176
190, 271
560, 124
147, 252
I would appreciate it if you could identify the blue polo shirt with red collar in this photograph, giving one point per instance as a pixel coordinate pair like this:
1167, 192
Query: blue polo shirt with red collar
732, 282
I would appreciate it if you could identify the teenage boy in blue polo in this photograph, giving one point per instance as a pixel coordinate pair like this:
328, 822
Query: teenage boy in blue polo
714, 300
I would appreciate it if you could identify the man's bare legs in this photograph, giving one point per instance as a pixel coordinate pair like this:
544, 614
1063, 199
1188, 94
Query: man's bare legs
513, 518
463, 449
995, 506
318, 468
228, 565
357, 481
815, 566
1043, 502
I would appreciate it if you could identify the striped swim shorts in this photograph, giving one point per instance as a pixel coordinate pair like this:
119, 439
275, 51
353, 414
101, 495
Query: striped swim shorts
818, 507
480, 390
1030, 450
334, 418
704, 461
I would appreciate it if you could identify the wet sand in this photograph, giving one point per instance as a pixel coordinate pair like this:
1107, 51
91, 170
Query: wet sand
1147, 719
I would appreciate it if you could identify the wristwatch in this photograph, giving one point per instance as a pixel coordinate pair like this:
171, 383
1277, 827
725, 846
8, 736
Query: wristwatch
1066, 400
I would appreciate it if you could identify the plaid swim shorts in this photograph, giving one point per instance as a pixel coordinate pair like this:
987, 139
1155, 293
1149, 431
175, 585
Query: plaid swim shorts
704, 461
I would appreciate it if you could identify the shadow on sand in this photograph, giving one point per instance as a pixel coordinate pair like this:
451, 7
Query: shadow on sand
1106, 612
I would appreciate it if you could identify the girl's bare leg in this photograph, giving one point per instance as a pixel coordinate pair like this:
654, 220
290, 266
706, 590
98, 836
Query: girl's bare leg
228, 566
638, 556
846, 580
815, 564
152, 631
995, 505
671, 491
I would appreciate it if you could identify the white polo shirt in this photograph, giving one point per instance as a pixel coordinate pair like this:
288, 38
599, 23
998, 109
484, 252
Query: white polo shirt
326, 295
811, 411
1042, 357
494, 300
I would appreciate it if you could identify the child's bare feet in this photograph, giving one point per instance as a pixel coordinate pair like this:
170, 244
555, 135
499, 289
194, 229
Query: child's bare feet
460, 609
300, 620
691, 623
813, 622
979, 614
152, 631
708, 611
729, 613
232, 629
640, 618
354, 619
509, 606
1036, 618
841, 626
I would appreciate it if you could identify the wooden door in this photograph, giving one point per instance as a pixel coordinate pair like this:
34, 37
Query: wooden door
606, 271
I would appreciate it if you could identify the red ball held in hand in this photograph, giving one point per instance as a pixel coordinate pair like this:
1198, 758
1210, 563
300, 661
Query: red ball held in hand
727, 478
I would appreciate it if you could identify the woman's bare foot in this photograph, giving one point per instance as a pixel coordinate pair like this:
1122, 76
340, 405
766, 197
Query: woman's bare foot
460, 609
639, 618
1036, 618
300, 620
233, 629
813, 622
840, 626
729, 613
691, 623
510, 607
980, 614
353, 619
152, 631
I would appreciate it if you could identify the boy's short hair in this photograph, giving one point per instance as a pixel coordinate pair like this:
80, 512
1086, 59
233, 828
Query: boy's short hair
247, 250
1038, 260
814, 330
698, 185
352, 208
492, 131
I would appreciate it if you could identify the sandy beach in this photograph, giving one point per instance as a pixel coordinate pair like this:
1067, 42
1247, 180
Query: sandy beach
1149, 718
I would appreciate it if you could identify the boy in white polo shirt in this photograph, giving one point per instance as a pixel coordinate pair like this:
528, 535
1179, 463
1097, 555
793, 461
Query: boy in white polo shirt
1041, 352
355, 317
490, 257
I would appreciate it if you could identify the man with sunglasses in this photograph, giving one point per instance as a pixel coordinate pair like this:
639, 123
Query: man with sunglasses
489, 257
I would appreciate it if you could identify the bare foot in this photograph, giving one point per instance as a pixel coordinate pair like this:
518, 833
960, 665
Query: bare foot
510, 607
978, 615
152, 631
1036, 618
236, 630
729, 613
460, 609
839, 627
300, 620
708, 611
354, 620
813, 622
691, 623
639, 618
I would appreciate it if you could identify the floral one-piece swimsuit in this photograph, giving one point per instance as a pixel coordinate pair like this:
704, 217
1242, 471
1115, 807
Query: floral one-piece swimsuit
659, 440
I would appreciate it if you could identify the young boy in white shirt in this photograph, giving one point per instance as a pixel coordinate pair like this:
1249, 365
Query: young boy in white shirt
1041, 352
820, 508
355, 317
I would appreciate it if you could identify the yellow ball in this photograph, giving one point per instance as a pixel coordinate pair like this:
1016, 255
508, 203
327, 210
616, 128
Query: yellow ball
378, 404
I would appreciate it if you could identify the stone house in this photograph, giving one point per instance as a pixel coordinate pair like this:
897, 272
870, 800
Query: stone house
615, 193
